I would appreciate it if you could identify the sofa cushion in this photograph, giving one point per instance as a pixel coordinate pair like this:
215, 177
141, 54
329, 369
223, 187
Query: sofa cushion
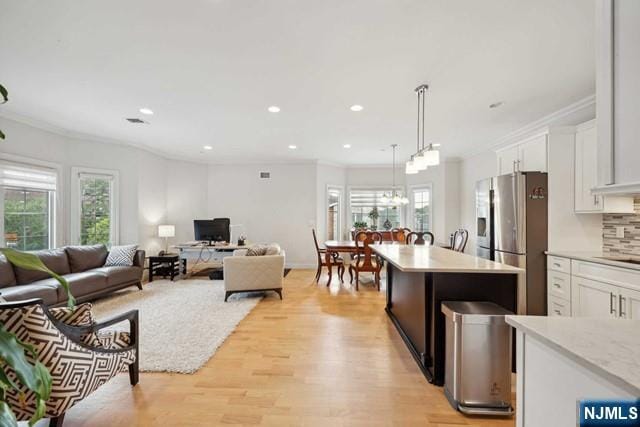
84, 283
117, 275
55, 259
7, 276
257, 250
46, 289
83, 258
121, 256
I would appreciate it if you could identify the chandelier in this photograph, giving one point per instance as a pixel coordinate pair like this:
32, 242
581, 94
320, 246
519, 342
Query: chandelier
424, 156
394, 198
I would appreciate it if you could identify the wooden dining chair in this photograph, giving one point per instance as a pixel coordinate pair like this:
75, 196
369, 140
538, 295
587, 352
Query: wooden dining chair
459, 240
367, 261
400, 234
418, 238
335, 259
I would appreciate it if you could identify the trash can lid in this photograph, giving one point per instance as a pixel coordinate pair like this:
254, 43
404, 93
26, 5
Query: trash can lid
474, 311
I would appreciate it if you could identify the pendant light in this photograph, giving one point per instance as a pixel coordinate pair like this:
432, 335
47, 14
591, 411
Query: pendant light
424, 156
395, 198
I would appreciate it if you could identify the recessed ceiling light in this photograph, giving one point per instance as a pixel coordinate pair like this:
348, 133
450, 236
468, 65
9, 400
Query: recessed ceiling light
147, 111
208, 147
347, 145
496, 104
274, 109
357, 107
293, 147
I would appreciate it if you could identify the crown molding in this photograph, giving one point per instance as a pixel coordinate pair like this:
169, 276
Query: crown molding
80, 136
537, 126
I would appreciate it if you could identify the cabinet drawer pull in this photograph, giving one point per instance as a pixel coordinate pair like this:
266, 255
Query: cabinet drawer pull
557, 264
621, 301
558, 312
612, 298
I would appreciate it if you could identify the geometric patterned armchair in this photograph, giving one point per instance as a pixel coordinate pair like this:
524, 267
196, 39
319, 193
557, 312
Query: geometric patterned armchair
79, 356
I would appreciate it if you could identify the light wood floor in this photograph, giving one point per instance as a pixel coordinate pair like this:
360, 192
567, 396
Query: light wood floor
325, 357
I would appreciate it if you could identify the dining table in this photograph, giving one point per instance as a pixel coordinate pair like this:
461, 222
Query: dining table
337, 246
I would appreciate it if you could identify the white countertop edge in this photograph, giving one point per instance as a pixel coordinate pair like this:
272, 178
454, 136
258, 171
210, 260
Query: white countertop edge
593, 257
514, 320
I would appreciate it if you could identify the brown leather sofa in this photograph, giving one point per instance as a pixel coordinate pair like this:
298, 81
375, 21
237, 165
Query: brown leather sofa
82, 266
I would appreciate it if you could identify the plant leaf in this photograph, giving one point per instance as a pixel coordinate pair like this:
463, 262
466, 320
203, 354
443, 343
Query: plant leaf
12, 352
4, 94
6, 382
7, 418
39, 412
30, 261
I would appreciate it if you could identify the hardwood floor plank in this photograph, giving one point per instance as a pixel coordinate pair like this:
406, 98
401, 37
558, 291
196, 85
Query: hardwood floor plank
321, 357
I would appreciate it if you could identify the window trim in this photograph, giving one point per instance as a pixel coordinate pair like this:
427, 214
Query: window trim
401, 188
341, 210
410, 213
56, 236
74, 232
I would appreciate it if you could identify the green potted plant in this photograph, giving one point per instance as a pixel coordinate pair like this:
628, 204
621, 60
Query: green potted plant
374, 215
13, 352
359, 225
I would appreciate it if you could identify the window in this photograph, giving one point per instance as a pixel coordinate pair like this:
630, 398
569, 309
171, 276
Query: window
94, 201
366, 207
334, 209
27, 202
421, 208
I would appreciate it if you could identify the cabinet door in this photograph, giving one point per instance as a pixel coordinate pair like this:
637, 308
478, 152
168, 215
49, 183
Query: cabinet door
586, 171
629, 304
590, 298
507, 160
533, 155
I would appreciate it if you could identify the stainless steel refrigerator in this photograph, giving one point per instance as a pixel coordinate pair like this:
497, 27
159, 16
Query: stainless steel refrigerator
511, 227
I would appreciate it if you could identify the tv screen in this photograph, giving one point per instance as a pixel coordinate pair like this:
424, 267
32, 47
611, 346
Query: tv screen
211, 230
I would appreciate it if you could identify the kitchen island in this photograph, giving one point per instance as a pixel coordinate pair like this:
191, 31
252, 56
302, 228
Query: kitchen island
420, 278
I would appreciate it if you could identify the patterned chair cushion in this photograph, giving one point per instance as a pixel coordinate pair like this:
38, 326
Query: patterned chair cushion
114, 340
257, 250
81, 316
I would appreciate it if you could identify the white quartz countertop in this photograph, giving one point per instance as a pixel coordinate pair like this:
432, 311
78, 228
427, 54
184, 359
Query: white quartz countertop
417, 258
609, 347
598, 257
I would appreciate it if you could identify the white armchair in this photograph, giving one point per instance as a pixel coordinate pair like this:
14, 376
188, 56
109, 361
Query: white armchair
253, 273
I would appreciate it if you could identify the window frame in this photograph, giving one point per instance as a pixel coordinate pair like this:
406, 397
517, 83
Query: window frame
76, 203
411, 212
56, 197
341, 210
386, 188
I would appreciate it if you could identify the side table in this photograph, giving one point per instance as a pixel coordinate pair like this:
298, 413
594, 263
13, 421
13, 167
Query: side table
167, 265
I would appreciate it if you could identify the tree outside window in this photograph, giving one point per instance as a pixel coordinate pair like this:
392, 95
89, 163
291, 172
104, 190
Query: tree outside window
422, 209
95, 215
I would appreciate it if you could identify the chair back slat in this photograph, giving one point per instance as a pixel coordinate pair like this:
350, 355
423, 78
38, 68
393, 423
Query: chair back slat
363, 241
418, 238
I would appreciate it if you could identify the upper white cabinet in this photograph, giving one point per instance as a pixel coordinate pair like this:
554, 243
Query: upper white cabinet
617, 94
529, 155
586, 178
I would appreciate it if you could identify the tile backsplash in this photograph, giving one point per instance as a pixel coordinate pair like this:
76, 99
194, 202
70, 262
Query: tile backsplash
630, 244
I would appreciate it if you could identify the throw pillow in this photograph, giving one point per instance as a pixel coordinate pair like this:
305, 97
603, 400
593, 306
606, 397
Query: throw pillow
121, 256
273, 249
257, 250
81, 316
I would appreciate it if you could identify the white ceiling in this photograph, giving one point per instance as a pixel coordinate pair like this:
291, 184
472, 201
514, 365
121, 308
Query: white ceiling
210, 68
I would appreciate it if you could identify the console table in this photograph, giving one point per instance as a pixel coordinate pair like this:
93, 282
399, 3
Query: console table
167, 265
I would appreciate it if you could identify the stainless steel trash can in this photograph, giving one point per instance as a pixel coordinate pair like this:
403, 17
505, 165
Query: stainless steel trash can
477, 376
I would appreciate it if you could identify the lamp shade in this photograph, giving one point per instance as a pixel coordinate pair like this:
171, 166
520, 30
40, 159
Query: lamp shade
432, 157
166, 231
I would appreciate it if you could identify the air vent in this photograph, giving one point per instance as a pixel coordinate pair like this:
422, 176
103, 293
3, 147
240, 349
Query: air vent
265, 175
135, 120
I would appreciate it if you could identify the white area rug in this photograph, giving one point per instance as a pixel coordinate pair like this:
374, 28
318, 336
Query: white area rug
182, 323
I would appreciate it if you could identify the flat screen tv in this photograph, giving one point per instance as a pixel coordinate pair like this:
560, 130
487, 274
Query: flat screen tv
208, 230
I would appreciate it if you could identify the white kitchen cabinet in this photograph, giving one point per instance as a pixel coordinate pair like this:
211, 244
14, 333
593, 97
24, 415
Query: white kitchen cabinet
533, 154
629, 302
586, 176
507, 160
590, 298
529, 155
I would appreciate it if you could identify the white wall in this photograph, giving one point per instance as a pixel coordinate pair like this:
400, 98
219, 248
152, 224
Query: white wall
187, 195
280, 209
